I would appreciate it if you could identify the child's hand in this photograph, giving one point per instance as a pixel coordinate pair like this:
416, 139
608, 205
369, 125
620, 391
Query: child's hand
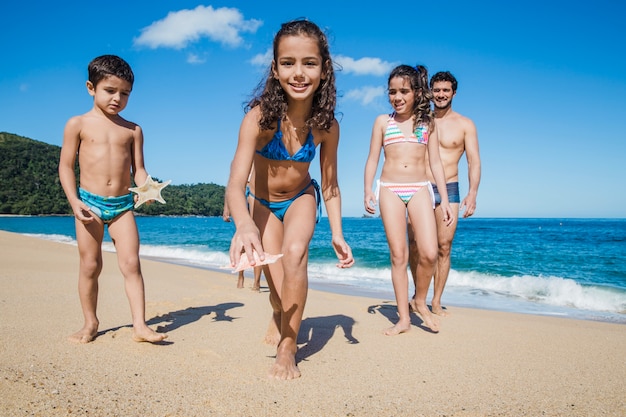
146, 202
246, 239
343, 252
82, 212
370, 202
448, 215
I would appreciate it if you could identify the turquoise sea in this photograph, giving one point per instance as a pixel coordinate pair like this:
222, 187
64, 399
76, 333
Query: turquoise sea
560, 267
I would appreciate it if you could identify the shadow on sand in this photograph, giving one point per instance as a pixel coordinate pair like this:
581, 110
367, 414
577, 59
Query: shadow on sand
171, 321
315, 332
390, 311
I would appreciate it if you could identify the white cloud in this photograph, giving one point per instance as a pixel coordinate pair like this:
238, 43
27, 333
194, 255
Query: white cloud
364, 66
365, 95
178, 29
195, 59
263, 60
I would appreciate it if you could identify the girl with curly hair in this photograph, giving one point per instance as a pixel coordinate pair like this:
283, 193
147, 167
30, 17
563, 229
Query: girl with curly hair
290, 116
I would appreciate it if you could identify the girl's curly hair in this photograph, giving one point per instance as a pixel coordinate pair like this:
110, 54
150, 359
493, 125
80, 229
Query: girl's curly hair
270, 96
418, 78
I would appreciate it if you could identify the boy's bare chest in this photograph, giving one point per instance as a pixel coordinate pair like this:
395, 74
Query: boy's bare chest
111, 138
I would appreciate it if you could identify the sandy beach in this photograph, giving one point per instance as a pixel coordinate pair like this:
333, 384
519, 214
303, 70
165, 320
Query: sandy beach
482, 363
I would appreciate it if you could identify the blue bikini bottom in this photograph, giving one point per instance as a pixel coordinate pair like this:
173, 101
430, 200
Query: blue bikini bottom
279, 208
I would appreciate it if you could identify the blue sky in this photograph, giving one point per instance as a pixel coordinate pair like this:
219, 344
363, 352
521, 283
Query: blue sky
544, 81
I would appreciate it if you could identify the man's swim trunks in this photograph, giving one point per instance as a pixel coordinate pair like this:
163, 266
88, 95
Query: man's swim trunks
107, 208
453, 193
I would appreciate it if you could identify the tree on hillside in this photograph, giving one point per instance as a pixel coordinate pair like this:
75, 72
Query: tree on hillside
31, 186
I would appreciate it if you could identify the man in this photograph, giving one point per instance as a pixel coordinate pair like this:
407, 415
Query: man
457, 135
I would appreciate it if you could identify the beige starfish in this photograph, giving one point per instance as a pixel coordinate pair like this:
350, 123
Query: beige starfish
150, 190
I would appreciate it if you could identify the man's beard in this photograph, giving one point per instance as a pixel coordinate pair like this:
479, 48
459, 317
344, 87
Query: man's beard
444, 107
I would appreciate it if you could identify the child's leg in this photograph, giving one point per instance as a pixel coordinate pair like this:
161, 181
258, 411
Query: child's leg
256, 285
271, 230
299, 225
89, 239
393, 214
424, 227
123, 231
240, 280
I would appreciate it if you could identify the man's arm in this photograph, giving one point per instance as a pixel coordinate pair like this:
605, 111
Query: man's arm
473, 168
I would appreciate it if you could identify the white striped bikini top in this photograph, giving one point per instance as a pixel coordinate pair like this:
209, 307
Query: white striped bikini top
393, 134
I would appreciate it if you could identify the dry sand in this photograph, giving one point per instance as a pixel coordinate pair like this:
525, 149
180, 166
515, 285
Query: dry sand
482, 363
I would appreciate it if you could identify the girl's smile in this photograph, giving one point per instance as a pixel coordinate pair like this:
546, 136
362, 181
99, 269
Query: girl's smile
401, 95
298, 66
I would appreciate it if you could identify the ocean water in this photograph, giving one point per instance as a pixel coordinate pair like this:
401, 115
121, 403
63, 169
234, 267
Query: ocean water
561, 267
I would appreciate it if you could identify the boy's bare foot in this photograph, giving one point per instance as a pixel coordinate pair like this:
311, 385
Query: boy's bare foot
146, 334
256, 289
397, 329
84, 335
272, 336
424, 312
285, 366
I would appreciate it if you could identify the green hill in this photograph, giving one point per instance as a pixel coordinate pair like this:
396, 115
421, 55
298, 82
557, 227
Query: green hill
31, 186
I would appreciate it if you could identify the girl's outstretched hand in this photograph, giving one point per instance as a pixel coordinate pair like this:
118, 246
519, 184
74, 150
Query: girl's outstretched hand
343, 252
246, 239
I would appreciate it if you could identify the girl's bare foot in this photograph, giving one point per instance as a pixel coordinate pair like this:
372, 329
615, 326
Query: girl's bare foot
424, 312
85, 335
397, 329
285, 366
438, 310
272, 336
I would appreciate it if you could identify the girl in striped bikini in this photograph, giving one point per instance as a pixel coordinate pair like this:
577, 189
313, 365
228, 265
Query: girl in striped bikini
407, 135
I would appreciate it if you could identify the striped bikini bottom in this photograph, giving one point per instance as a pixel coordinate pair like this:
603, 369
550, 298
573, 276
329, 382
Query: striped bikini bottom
405, 190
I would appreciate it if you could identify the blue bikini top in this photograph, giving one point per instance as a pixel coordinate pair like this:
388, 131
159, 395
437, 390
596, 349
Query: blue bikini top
275, 149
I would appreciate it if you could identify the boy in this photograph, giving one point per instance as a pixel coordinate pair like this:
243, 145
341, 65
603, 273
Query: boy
109, 149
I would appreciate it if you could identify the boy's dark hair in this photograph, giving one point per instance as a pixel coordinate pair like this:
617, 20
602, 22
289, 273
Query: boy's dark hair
107, 65
418, 78
444, 76
270, 95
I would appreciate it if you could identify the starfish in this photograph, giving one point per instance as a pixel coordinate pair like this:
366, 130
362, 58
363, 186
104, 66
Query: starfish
150, 190
245, 264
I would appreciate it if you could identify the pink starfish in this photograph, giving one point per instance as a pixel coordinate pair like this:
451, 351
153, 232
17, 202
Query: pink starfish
245, 264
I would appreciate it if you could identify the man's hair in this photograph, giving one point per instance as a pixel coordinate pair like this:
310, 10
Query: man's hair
444, 76
107, 65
